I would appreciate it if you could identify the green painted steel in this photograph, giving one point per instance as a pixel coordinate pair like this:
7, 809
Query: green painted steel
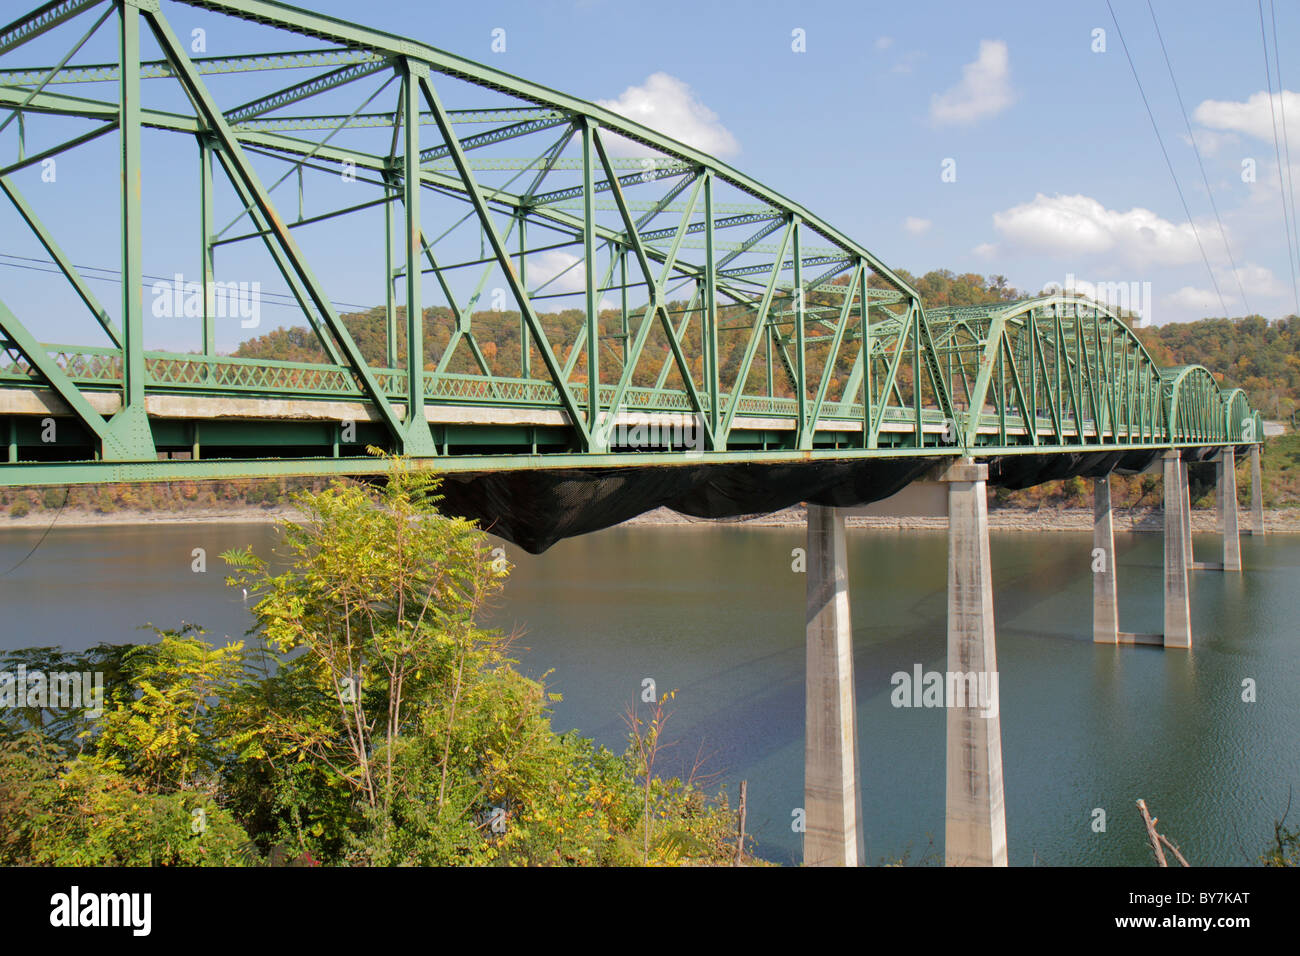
706, 299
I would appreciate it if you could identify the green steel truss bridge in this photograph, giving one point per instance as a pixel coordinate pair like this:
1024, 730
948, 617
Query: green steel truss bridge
733, 351
692, 339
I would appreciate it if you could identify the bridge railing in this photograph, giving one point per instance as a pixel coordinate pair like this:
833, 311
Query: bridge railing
95, 367
1201, 410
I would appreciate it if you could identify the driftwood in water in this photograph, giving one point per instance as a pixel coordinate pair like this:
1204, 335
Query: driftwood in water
740, 825
1158, 839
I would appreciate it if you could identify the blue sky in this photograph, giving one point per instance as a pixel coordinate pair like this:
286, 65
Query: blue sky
1057, 170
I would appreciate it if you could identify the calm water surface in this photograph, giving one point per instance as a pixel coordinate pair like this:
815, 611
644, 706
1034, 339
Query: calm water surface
717, 614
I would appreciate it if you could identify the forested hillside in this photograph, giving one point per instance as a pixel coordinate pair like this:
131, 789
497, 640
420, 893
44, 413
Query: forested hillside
1260, 356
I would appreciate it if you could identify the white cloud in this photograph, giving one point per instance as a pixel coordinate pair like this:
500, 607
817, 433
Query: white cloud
1080, 225
884, 43
985, 250
1257, 280
1211, 143
1254, 117
569, 273
1260, 283
543, 267
984, 90
1192, 299
915, 225
669, 106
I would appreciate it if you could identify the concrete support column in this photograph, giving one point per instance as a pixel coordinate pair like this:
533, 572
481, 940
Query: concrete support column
1105, 600
1227, 501
976, 828
1178, 612
1256, 492
831, 804
1187, 513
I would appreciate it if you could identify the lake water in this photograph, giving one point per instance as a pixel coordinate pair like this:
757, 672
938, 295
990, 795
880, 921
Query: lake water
716, 613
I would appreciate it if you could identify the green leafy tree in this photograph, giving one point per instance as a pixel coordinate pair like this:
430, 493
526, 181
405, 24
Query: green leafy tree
394, 729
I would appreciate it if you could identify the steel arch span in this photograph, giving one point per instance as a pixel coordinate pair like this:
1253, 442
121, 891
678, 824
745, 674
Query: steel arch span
578, 291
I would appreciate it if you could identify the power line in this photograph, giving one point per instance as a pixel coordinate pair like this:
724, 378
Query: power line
114, 275
1159, 139
1286, 139
67, 493
1223, 233
1281, 182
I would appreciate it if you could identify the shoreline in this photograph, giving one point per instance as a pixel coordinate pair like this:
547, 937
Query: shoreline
1276, 520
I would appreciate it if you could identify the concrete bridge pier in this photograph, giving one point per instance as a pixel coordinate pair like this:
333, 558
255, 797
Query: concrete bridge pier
831, 795
1256, 492
1186, 493
1178, 614
1105, 600
1226, 501
976, 829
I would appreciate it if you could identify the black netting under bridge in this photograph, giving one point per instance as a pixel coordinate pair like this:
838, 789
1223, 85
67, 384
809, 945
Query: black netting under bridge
535, 508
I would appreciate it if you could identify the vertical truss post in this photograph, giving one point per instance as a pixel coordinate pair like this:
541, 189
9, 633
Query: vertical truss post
589, 267
867, 363
802, 425
419, 439
1256, 492
771, 381
622, 282
132, 240
208, 261
916, 371
390, 305
129, 436
525, 343
711, 312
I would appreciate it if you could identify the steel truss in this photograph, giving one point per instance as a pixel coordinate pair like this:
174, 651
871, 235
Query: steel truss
779, 335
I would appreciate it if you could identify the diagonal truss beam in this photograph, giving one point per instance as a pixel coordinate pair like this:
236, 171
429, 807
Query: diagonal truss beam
233, 152
470, 185
837, 339
655, 287
58, 380
41, 20
46, 239
304, 90
756, 334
